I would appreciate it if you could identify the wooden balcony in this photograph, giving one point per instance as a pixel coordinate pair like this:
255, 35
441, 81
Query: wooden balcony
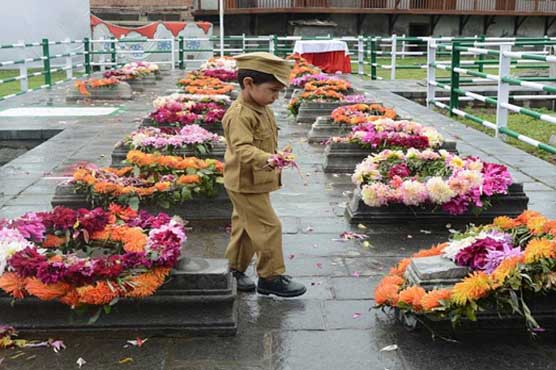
440, 7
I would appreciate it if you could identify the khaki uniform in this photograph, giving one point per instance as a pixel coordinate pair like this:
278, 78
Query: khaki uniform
251, 138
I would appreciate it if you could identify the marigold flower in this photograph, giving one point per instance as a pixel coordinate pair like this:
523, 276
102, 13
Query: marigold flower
473, 287
432, 299
538, 249
134, 240
46, 292
505, 222
71, 298
412, 296
162, 186
13, 284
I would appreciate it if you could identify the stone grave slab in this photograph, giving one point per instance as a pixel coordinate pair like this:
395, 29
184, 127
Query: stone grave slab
121, 91
343, 157
511, 204
201, 210
199, 298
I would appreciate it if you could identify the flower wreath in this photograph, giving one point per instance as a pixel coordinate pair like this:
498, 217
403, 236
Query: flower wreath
388, 134
358, 113
157, 178
420, 178
328, 84
511, 260
82, 86
54, 255
320, 94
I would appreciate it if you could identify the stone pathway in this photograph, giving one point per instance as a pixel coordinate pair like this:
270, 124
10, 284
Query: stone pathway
332, 326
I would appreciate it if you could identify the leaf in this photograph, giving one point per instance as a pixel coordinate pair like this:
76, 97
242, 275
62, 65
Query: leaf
164, 203
185, 193
390, 348
220, 180
80, 362
136, 171
126, 360
96, 316
134, 203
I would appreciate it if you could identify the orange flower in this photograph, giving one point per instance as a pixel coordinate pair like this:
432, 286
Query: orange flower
504, 269
162, 186
106, 188
98, 294
550, 227
124, 213
505, 222
536, 224
392, 279
434, 251
523, 218
13, 284
400, 268
53, 241
473, 287
134, 240
71, 298
386, 294
146, 284
538, 249
189, 179
412, 296
46, 292
432, 299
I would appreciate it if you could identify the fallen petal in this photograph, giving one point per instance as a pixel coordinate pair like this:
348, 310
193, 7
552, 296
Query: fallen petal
392, 347
80, 362
356, 274
125, 360
356, 315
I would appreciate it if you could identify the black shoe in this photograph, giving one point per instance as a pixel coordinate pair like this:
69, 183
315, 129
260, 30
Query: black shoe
282, 286
244, 283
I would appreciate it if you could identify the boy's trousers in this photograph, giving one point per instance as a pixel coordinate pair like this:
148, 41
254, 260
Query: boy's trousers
255, 230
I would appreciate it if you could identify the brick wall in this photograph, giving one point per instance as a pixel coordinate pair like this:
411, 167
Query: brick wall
141, 3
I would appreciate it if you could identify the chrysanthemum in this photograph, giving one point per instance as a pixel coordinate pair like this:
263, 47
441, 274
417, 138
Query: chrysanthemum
439, 191
504, 269
46, 292
146, 284
473, 287
13, 284
400, 268
433, 298
434, 251
413, 193
98, 294
505, 222
536, 224
526, 215
386, 294
412, 296
539, 249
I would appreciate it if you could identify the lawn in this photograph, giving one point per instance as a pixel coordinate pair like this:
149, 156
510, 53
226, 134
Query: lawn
34, 82
525, 125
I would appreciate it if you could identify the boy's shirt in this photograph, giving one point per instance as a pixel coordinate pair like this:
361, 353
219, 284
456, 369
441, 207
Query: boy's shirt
251, 137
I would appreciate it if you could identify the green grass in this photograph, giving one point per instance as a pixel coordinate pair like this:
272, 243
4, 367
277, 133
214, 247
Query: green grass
525, 125
34, 82
419, 74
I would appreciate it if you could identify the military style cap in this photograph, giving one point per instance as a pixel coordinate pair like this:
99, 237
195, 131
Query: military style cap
266, 63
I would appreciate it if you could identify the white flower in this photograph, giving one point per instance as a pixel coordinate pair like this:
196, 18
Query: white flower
439, 191
11, 242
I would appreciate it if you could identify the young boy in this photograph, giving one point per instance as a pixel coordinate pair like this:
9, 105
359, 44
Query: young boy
251, 138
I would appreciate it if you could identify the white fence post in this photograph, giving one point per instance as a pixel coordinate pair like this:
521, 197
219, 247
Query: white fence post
243, 43
431, 72
24, 81
503, 89
360, 55
403, 46
69, 59
173, 43
271, 44
393, 57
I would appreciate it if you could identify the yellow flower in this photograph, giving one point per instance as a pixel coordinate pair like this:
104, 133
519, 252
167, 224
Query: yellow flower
505, 222
457, 162
539, 249
536, 224
473, 287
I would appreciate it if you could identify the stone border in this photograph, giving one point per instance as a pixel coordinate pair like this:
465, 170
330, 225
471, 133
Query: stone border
121, 91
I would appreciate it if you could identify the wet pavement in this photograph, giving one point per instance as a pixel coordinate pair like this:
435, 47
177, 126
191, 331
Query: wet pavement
333, 326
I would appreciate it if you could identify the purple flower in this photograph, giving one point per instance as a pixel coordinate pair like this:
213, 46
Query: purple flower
475, 255
31, 226
497, 179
